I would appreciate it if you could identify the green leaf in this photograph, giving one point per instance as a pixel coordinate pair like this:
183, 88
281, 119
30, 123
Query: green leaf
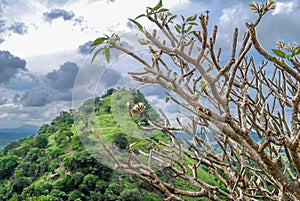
188, 29
191, 18
163, 10
137, 24
168, 94
92, 50
168, 99
99, 41
182, 17
172, 17
193, 23
115, 38
296, 51
279, 53
289, 56
142, 15
138, 144
158, 6
148, 11
132, 145
95, 54
106, 53
203, 84
178, 28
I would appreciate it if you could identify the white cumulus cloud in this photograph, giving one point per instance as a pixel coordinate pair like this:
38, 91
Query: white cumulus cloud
284, 7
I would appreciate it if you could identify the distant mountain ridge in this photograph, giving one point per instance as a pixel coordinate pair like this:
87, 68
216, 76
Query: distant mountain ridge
19, 132
10, 134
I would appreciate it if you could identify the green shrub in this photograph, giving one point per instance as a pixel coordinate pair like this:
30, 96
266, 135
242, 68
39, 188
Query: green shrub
120, 141
41, 141
130, 195
7, 165
112, 192
20, 184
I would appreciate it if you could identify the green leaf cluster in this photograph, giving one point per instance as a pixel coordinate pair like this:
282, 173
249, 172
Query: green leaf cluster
185, 28
282, 54
158, 8
103, 44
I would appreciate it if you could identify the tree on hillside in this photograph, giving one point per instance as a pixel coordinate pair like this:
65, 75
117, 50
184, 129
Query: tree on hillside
242, 116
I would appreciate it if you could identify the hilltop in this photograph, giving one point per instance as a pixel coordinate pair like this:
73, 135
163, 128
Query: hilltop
63, 161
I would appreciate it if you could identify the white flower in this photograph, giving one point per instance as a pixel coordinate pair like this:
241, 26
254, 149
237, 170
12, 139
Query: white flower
139, 107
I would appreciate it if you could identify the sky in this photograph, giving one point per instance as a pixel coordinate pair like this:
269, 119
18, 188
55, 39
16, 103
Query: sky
44, 46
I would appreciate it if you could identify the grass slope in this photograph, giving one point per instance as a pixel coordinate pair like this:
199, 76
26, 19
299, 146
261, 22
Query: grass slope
117, 120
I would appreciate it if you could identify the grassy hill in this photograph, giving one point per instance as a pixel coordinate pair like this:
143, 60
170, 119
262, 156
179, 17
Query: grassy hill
65, 161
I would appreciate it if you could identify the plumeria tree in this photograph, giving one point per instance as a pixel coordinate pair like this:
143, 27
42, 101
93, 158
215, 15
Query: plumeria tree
242, 116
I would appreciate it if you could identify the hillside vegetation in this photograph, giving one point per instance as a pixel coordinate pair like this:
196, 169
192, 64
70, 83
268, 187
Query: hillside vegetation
61, 163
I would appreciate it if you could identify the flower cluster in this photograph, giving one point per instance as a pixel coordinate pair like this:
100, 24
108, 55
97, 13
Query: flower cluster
262, 8
290, 46
139, 107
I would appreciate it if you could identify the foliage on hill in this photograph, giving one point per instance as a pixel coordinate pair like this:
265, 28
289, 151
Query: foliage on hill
54, 164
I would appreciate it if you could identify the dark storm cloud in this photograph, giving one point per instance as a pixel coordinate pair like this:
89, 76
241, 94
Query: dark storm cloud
110, 79
24, 80
37, 97
9, 66
2, 5
85, 48
59, 88
78, 21
58, 13
64, 78
2, 22
3, 101
41, 96
18, 28
16, 98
